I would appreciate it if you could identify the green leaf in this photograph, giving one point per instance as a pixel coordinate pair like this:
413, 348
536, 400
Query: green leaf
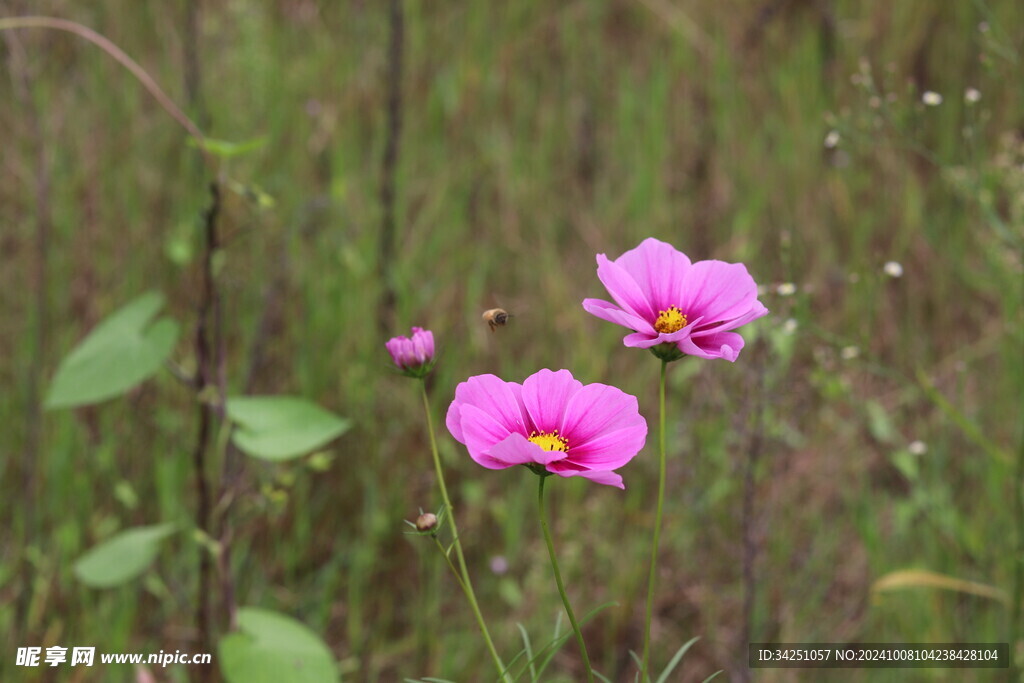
282, 427
118, 354
273, 647
879, 422
678, 657
123, 557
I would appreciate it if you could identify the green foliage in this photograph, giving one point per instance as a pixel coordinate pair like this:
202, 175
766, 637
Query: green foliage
125, 349
282, 427
123, 557
270, 647
546, 132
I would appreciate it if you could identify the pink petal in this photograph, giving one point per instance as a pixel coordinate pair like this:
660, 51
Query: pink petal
642, 341
613, 314
611, 450
624, 289
598, 409
545, 395
718, 291
481, 432
597, 476
518, 450
492, 395
658, 268
758, 310
725, 345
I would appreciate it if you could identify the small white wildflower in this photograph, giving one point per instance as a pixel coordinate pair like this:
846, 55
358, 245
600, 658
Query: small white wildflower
917, 447
972, 95
849, 352
762, 290
832, 139
931, 98
874, 101
499, 565
786, 289
893, 269
789, 327
983, 27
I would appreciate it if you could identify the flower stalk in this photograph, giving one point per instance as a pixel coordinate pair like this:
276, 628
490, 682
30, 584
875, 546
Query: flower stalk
558, 576
463, 574
645, 659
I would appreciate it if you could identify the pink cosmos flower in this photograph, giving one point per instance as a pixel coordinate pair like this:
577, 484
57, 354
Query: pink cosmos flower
414, 356
550, 422
665, 299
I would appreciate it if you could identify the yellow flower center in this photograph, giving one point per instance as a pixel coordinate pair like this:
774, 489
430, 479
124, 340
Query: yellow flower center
550, 441
669, 321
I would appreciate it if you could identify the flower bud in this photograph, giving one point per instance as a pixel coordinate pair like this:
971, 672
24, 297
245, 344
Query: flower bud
414, 356
426, 521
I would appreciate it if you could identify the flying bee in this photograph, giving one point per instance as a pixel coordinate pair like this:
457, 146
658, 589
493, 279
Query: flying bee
496, 317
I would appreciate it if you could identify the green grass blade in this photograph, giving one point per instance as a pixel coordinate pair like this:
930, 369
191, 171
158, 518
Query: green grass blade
529, 650
678, 657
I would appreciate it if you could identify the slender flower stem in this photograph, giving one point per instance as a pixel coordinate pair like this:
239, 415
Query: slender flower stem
657, 524
558, 579
465, 582
448, 559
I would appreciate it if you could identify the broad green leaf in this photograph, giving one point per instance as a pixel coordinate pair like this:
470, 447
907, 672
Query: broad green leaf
273, 647
922, 578
122, 351
282, 427
123, 557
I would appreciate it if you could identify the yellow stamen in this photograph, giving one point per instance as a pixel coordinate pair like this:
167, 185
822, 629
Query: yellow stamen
550, 441
669, 321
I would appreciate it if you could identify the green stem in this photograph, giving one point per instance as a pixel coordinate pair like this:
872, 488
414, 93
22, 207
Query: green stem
119, 55
657, 524
558, 578
448, 559
1018, 569
465, 583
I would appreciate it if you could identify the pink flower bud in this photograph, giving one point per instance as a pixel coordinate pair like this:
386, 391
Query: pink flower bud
413, 356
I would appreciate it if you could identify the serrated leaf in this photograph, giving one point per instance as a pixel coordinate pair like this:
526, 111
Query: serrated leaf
121, 352
123, 557
282, 427
271, 647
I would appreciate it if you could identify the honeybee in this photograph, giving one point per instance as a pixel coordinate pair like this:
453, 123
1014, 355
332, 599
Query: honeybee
496, 317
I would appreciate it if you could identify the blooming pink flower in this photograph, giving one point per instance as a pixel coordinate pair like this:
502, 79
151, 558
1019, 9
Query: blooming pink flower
665, 299
550, 422
414, 356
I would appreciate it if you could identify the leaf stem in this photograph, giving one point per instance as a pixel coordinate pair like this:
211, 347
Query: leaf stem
558, 578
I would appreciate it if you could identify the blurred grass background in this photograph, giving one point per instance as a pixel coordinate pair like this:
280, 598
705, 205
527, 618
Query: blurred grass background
535, 134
